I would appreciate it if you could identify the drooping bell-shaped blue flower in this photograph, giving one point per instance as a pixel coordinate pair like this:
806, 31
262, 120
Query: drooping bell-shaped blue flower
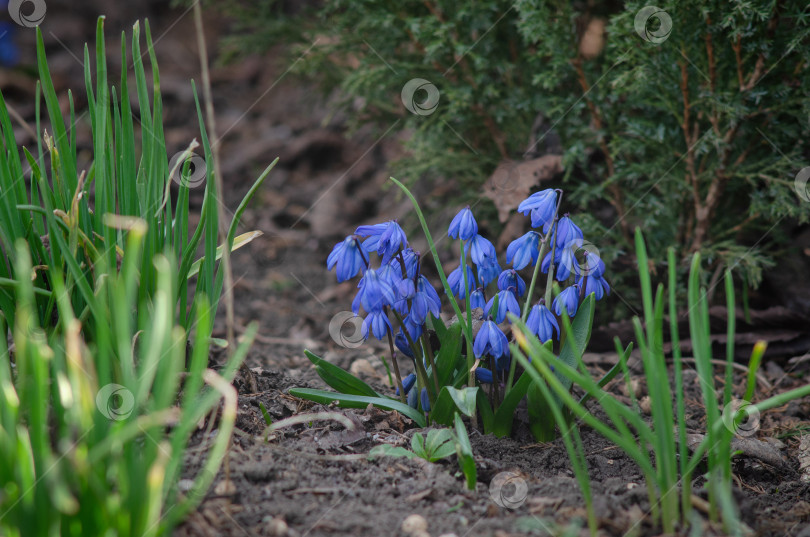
9, 52
564, 263
348, 257
401, 343
506, 303
591, 265
596, 285
407, 383
569, 297
404, 291
463, 226
375, 293
377, 323
477, 299
483, 375
488, 270
478, 248
568, 234
386, 239
425, 400
425, 300
509, 278
523, 250
542, 323
456, 281
411, 262
390, 275
541, 205
413, 328
413, 399
490, 340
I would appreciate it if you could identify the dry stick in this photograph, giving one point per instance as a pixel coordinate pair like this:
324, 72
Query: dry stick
250, 380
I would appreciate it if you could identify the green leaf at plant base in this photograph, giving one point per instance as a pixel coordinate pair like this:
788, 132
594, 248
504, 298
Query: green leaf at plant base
387, 450
505, 415
339, 379
449, 355
359, 401
452, 399
439, 444
540, 422
464, 451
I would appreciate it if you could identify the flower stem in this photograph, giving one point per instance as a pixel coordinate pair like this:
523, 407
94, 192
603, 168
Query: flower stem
469, 320
396, 368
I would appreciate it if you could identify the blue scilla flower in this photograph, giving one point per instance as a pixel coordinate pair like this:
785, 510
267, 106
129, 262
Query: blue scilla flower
490, 340
542, 206
405, 291
483, 375
386, 239
488, 270
456, 281
377, 323
375, 293
413, 328
9, 53
477, 299
463, 226
542, 323
478, 249
413, 398
596, 285
425, 400
407, 383
348, 257
569, 298
510, 278
390, 274
506, 303
402, 344
411, 263
523, 250
568, 234
425, 300
564, 262
592, 265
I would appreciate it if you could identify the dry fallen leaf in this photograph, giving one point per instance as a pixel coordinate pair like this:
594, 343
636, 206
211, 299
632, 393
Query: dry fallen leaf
512, 181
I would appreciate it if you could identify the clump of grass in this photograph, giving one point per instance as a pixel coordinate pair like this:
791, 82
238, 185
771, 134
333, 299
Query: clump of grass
660, 447
99, 395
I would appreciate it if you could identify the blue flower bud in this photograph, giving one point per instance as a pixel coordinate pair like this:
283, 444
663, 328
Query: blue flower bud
569, 298
407, 383
490, 340
506, 303
542, 323
463, 226
348, 258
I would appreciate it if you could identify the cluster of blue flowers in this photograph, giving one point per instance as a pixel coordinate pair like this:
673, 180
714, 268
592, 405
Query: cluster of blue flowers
399, 288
